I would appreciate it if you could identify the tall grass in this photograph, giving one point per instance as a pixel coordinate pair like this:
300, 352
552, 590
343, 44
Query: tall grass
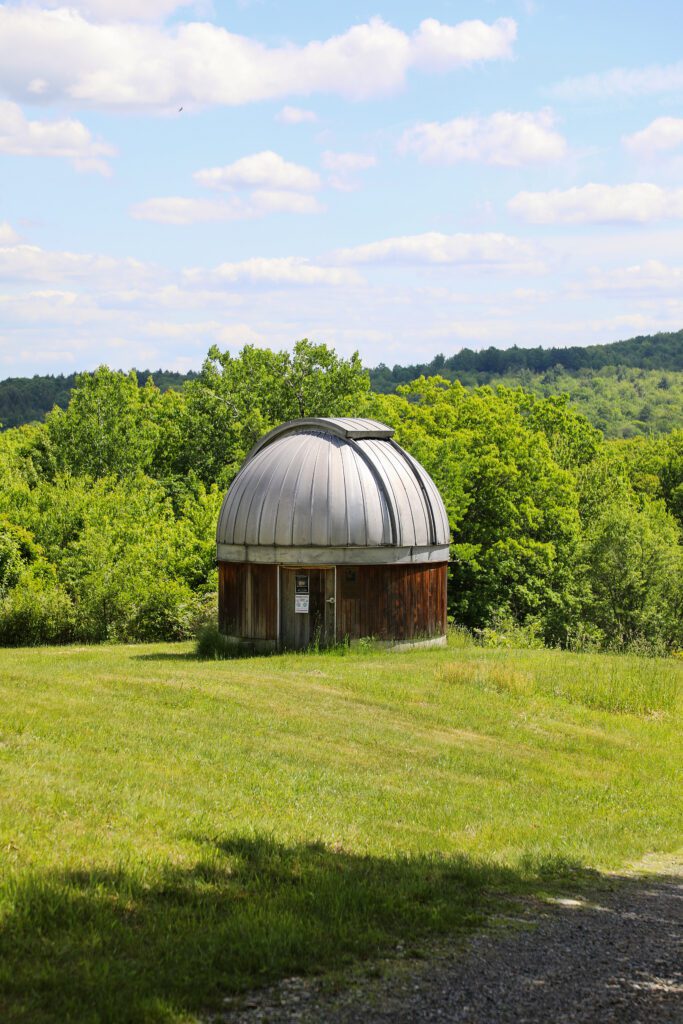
619, 683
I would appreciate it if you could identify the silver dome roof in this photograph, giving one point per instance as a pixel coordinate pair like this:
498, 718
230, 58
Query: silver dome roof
331, 484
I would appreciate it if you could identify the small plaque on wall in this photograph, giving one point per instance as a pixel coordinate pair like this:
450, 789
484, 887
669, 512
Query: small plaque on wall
301, 603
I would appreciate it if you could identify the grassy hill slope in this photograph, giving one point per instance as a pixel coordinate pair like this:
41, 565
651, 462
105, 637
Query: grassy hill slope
177, 830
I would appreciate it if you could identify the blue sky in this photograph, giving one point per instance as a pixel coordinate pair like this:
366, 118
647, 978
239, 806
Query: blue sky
398, 182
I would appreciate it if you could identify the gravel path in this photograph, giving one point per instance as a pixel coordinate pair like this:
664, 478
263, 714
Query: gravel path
616, 957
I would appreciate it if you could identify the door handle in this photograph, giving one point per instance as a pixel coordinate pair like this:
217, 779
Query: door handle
331, 600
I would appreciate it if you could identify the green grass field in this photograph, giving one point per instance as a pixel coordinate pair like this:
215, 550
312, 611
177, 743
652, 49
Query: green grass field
174, 830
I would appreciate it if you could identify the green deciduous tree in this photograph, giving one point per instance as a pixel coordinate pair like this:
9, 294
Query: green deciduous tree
236, 399
109, 426
634, 571
513, 506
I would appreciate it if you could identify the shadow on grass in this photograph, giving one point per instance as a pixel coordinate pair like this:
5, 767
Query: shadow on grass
167, 656
154, 943
206, 658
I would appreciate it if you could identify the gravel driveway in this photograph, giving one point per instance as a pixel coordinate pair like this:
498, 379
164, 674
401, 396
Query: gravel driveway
616, 957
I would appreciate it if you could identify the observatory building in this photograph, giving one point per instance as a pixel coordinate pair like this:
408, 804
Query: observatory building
330, 532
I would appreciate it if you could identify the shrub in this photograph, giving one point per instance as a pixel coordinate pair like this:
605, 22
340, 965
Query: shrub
34, 613
212, 644
166, 611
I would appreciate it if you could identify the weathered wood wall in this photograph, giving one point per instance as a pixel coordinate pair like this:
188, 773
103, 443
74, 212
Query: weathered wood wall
391, 602
247, 600
388, 602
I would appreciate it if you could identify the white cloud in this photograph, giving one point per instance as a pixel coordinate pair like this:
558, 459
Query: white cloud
58, 54
122, 10
651, 276
181, 210
504, 138
267, 170
662, 134
8, 235
441, 47
280, 201
343, 167
599, 204
347, 162
273, 185
648, 81
296, 115
68, 139
31, 263
493, 250
288, 270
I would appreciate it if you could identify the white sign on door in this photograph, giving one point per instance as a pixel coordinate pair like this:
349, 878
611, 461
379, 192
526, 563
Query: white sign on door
301, 603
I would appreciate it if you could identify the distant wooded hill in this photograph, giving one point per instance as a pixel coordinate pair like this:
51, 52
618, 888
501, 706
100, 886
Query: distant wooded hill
624, 388
653, 352
27, 399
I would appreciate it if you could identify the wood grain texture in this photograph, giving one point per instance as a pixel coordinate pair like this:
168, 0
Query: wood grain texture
391, 602
387, 602
247, 600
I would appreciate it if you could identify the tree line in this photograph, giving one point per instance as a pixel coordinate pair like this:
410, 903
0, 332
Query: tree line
662, 351
28, 399
108, 507
624, 388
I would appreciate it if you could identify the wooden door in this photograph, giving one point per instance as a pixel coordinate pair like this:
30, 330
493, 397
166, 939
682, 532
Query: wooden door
307, 608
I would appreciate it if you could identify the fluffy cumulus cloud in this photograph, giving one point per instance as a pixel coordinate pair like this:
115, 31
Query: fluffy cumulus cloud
637, 203
296, 115
439, 47
662, 134
492, 250
68, 139
649, 277
22, 262
648, 81
504, 138
266, 170
182, 210
59, 54
287, 270
256, 185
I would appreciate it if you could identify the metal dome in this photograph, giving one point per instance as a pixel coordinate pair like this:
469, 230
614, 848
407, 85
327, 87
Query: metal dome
332, 490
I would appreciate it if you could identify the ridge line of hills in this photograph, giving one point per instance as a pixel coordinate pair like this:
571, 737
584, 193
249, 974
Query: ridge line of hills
624, 387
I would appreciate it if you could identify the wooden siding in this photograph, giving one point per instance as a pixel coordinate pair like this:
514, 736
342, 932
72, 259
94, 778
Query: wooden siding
247, 600
387, 602
391, 602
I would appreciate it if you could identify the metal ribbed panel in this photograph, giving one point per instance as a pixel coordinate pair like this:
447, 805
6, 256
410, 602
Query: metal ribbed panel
311, 487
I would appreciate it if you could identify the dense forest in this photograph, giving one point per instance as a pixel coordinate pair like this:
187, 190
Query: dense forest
28, 399
624, 389
108, 507
652, 352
